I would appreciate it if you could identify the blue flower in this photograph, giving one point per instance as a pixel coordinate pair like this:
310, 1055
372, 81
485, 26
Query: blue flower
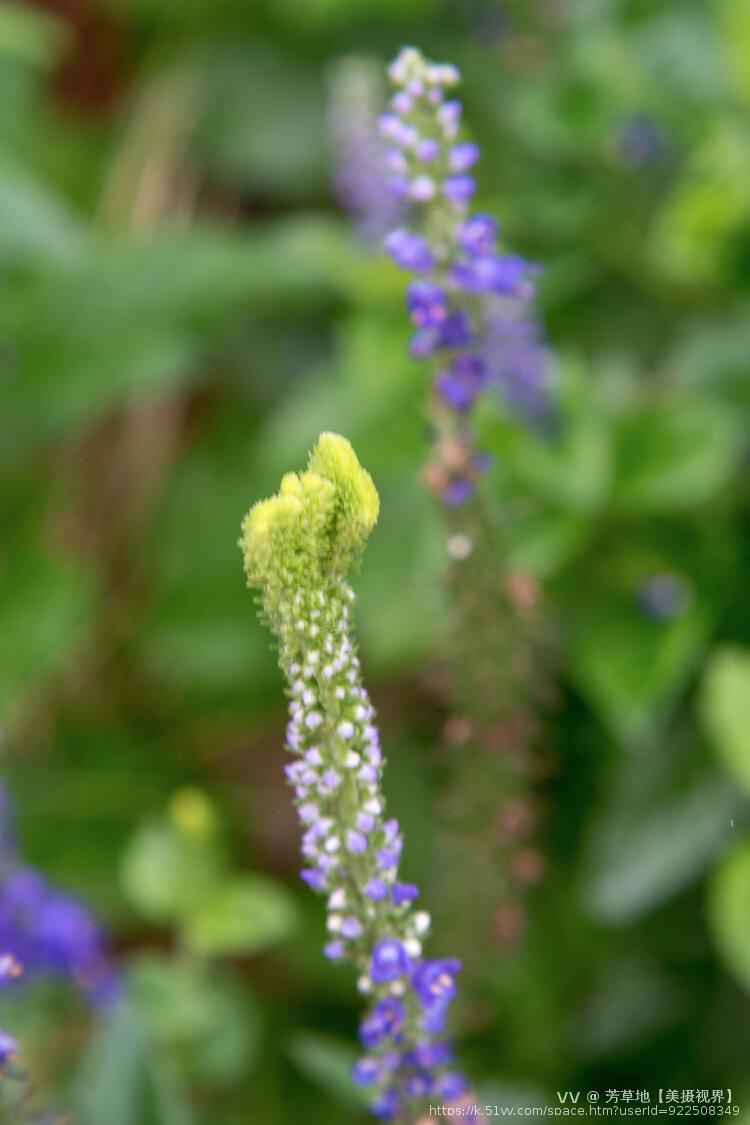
385, 1021
365, 1071
435, 981
410, 251
8, 1048
403, 892
427, 303
389, 961
471, 297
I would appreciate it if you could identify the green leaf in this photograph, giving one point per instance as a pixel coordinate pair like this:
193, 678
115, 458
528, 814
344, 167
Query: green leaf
725, 709
644, 851
112, 1082
242, 916
201, 1014
729, 911
165, 874
35, 226
328, 1063
44, 606
674, 454
630, 668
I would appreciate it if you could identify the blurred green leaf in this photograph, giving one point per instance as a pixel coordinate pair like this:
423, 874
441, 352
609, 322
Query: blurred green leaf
199, 1013
30, 35
729, 911
674, 454
328, 1062
140, 316
165, 874
45, 607
629, 667
112, 1084
36, 227
645, 847
242, 915
725, 707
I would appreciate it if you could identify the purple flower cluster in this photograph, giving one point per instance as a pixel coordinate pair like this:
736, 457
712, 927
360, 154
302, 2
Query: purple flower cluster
44, 932
351, 852
9, 970
360, 176
472, 306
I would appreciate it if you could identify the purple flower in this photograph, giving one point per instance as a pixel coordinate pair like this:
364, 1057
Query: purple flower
313, 878
435, 981
477, 235
376, 889
427, 304
403, 892
502, 274
334, 950
356, 842
351, 927
449, 1086
459, 188
385, 1021
454, 390
389, 961
417, 1086
365, 1071
457, 491
429, 1055
8, 1048
410, 251
427, 150
455, 330
463, 156
424, 343
385, 1107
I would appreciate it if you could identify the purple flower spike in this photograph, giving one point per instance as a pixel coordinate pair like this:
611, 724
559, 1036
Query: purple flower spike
409, 251
334, 950
389, 961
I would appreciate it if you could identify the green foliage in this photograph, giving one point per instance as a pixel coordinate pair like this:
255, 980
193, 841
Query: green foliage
174, 872
726, 709
183, 310
729, 910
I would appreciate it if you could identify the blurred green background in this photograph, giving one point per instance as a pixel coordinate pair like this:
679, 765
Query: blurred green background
182, 309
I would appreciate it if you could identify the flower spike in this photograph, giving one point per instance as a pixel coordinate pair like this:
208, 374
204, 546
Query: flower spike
299, 547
